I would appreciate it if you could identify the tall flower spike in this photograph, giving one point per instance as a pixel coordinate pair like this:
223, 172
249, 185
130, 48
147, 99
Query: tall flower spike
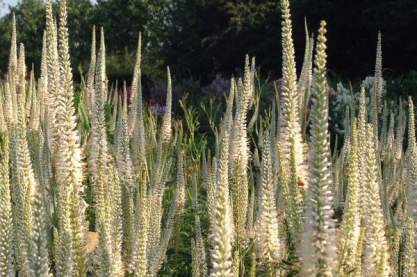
295, 207
101, 165
376, 94
138, 140
362, 121
53, 75
411, 127
21, 80
124, 162
199, 251
124, 166
378, 79
267, 223
43, 83
90, 76
411, 178
39, 237
113, 101
35, 108
305, 79
390, 139
6, 239
13, 49
160, 168
139, 263
22, 177
376, 251
211, 192
229, 105
136, 83
195, 266
63, 49
411, 156
99, 147
157, 185
350, 228
384, 128
318, 246
166, 132
290, 128
239, 152
67, 162
394, 248
8, 106
30, 93
362, 115
305, 67
221, 225
399, 132
407, 258
115, 219
174, 214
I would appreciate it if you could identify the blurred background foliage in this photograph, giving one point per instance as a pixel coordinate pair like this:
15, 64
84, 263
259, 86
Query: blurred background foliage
200, 39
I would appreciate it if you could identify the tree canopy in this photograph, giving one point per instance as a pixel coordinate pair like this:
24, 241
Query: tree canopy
199, 37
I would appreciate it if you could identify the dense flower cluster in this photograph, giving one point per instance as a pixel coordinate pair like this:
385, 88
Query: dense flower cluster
103, 185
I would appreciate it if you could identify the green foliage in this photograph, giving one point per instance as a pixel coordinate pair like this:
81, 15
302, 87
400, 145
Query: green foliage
30, 24
203, 38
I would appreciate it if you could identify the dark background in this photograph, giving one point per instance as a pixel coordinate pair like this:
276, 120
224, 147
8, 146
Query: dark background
200, 38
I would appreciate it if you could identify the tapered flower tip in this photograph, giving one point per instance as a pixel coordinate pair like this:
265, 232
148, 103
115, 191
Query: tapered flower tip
322, 31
